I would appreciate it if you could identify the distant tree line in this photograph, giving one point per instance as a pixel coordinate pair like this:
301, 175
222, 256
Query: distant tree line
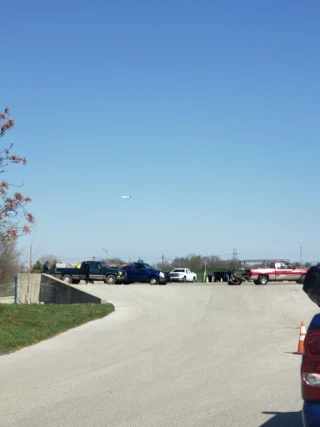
52, 260
198, 263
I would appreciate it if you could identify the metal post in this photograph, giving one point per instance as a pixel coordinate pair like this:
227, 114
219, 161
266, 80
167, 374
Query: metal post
30, 259
15, 289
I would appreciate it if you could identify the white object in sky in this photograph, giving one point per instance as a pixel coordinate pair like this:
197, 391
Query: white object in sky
125, 197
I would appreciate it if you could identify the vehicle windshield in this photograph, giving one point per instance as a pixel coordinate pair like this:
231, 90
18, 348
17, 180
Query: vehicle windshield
178, 270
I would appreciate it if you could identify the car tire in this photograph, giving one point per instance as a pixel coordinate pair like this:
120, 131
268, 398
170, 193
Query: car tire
184, 279
67, 278
76, 282
111, 279
263, 280
256, 282
194, 279
153, 280
301, 280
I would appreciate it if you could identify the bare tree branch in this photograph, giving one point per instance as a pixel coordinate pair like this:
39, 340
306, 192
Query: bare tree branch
15, 219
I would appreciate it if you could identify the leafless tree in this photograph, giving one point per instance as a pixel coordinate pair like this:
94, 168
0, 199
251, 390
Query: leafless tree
9, 266
114, 261
15, 220
52, 259
9, 261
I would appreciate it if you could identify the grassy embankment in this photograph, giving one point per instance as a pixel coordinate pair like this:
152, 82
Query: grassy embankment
23, 325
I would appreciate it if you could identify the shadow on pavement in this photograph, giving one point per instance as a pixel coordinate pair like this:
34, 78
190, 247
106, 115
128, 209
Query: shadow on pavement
283, 419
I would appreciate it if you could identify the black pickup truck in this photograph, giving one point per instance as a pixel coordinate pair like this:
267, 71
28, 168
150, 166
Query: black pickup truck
98, 271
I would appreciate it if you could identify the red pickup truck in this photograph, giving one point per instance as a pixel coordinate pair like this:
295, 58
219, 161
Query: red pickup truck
276, 272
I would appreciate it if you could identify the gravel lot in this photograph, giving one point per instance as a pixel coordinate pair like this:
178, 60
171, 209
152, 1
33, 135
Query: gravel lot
177, 355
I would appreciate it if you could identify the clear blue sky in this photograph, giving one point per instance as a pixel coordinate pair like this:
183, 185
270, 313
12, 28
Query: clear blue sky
205, 112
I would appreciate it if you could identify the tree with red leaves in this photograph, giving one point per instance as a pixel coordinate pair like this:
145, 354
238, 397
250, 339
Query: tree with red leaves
15, 220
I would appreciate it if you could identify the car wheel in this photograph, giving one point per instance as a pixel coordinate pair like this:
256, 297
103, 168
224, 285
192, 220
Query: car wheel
184, 279
301, 280
256, 282
153, 280
111, 280
263, 280
76, 282
67, 278
194, 279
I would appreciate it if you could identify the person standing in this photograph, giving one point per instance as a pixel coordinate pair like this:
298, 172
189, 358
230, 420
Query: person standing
227, 276
45, 267
87, 271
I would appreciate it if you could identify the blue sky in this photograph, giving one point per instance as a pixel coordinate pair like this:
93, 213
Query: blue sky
205, 112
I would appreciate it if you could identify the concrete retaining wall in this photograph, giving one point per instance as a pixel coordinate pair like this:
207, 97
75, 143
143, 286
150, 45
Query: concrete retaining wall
55, 291
35, 288
28, 288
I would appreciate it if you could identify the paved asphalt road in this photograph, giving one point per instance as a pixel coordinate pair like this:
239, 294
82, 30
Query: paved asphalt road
175, 355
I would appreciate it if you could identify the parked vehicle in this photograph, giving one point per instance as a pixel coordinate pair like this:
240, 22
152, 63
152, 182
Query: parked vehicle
182, 275
275, 272
310, 375
310, 365
219, 276
98, 271
144, 273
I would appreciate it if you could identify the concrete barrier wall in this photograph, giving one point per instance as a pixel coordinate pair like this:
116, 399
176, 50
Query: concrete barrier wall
34, 288
28, 288
55, 291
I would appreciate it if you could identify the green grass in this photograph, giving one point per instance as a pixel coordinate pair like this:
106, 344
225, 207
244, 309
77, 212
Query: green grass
23, 325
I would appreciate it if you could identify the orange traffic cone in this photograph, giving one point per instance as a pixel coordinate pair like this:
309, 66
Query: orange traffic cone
301, 338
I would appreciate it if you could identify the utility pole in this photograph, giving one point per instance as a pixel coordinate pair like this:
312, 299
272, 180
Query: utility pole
234, 257
301, 255
106, 251
30, 250
162, 258
30, 259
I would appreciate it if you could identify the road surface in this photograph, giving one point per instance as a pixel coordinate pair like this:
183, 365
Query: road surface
170, 356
